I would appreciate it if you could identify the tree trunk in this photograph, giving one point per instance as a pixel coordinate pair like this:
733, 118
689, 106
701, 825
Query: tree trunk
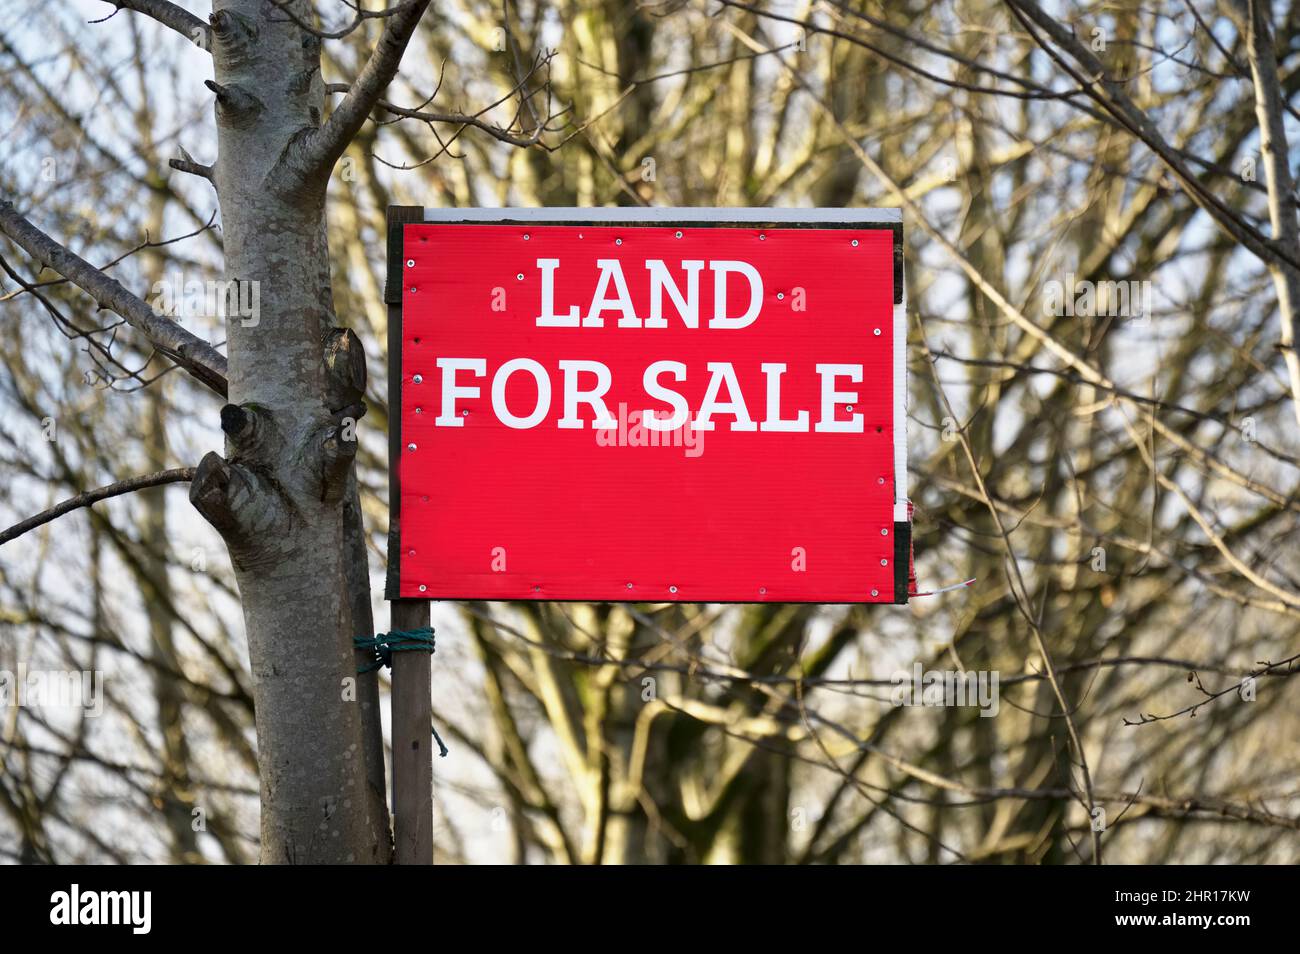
277, 498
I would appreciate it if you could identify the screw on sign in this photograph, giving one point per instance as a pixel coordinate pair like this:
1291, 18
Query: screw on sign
662, 405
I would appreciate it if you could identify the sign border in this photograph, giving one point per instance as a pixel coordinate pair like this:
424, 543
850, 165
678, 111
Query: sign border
400, 216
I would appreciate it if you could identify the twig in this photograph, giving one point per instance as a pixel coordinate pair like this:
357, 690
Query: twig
169, 15
127, 486
194, 354
321, 148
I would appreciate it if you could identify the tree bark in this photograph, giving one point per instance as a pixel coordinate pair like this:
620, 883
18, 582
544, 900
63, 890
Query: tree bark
277, 497
1255, 21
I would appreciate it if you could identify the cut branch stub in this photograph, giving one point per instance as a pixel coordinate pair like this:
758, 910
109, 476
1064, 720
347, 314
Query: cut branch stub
235, 420
235, 34
338, 451
244, 504
345, 369
235, 105
184, 162
210, 493
231, 27
248, 432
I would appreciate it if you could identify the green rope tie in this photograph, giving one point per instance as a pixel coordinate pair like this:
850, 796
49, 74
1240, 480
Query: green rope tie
383, 645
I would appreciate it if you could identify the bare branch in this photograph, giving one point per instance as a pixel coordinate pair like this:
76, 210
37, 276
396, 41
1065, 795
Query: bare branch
172, 16
319, 150
184, 162
361, 17
192, 353
1109, 94
1269, 103
127, 486
460, 119
193, 168
1286, 668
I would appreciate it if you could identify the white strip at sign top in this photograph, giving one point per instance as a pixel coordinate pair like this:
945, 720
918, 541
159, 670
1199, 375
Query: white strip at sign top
653, 215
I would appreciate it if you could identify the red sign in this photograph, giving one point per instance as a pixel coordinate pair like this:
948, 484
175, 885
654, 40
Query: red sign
686, 412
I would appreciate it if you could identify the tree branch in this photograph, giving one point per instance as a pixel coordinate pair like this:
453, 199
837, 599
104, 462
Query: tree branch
1109, 94
171, 16
361, 17
185, 163
192, 353
322, 147
127, 486
459, 119
1255, 21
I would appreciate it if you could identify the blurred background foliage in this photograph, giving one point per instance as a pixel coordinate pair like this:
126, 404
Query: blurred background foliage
1142, 530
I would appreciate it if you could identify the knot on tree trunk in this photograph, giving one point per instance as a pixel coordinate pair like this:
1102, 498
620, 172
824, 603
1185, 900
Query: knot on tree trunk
344, 364
232, 29
275, 474
236, 106
345, 370
241, 505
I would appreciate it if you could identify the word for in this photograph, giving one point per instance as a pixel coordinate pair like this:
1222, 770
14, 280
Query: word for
723, 396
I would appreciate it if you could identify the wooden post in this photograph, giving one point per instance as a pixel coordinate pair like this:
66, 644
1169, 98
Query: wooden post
412, 742
412, 708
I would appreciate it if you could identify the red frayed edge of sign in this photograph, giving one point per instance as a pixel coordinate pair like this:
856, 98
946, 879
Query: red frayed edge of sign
911, 567
911, 552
